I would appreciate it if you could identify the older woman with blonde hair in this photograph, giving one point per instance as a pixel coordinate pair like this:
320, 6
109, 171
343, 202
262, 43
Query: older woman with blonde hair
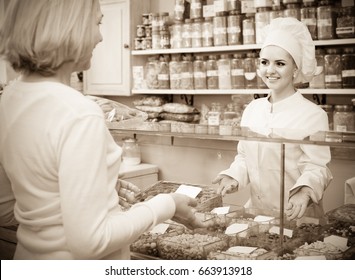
55, 148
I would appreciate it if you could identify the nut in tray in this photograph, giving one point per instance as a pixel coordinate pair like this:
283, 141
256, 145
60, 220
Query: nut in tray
146, 244
207, 199
190, 245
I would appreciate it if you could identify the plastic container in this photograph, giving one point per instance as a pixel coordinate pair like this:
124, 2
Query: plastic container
207, 32
344, 118
196, 28
187, 72
237, 71
212, 72
151, 72
220, 29
187, 34
309, 18
250, 66
333, 68
175, 71
348, 68
262, 18
200, 81
326, 21
131, 152
234, 28
249, 29
318, 81
224, 72
345, 25
329, 109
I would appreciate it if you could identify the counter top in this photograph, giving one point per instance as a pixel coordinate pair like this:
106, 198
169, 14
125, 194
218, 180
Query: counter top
128, 171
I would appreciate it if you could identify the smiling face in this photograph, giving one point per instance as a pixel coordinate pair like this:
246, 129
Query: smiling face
277, 69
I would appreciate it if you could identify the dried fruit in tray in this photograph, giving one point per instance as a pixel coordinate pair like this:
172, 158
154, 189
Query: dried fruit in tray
190, 245
207, 199
147, 243
344, 213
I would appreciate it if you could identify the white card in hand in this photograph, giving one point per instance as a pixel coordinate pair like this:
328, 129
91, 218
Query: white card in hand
189, 190
276, 230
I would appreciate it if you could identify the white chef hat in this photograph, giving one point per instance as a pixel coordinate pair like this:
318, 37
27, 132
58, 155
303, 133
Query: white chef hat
294, 37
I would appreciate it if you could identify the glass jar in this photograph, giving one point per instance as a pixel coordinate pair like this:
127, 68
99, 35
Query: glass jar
195, 9
318, 81
148, 30
151, 72
262, 18
293, 10
276, 12
199, 64
249, 29
131, 152
214, 115
326, 18
250, 66
234, 5
163, 21
309, 18
175, 71
156, 40
196, 40
345, 25
179, 9
186, 34
237, 71
329, 109
332, 68
263, 3
212, 72
146, 19
155, 22
187, 72
224, 72
163, 73
207, 32
220, 29
348, 68
234, 29
164, 39
177, 35
344, 118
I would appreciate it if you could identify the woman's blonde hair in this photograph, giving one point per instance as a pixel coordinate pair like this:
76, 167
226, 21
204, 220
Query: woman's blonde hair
40, 35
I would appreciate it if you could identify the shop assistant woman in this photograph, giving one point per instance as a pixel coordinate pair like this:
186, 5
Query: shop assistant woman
287, 57
55, 148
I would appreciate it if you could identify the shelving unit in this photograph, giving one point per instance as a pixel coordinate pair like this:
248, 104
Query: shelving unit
230, 49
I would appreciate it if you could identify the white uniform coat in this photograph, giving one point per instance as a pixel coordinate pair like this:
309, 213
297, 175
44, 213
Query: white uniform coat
257, 164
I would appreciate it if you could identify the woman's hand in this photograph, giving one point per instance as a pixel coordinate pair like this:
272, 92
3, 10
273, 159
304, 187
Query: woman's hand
226, 184
298, 203
128, 193
184, 213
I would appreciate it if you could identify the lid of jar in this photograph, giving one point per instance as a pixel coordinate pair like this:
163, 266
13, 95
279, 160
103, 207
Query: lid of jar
212, 57
263, 9
252, 54
333, 50
320, 51
164, 14
198, 57
239, 55
262, 3
221, 14
208, 19
348, 50
129, 140
198, 20
224, 56
343, 108
326, 107
188, 20
155, 14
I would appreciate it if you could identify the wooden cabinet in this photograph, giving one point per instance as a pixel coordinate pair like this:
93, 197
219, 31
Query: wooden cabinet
110, 71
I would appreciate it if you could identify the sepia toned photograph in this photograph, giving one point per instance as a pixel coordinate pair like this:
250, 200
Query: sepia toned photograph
151, 130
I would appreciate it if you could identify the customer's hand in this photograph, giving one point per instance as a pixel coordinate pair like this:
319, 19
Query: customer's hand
184, 213
128, 193
298, 203
226, 184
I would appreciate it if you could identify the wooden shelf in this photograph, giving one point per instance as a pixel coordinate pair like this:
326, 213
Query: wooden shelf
339, 42
239, 91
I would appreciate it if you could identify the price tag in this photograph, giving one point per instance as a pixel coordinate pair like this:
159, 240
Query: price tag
337, 241
160, 228
221, 210
236, 228
189, 190
276, 230
263, 219
242, 249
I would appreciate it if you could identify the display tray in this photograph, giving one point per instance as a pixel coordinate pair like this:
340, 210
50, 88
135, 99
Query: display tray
207, 199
